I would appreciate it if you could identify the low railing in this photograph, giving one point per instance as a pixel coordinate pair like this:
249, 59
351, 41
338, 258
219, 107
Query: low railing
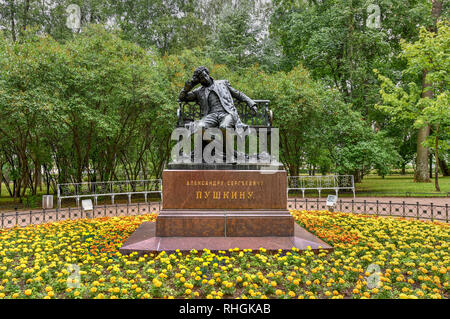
319, 183
112, 189
23, 218
377, 208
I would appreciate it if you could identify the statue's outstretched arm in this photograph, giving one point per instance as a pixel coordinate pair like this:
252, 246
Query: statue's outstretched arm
238, 95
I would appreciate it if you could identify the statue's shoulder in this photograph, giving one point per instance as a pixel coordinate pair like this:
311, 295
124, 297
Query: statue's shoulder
222, 82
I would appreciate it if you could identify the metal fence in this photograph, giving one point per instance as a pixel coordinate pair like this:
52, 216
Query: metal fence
319, 183
112, 189
24, 218
377, 208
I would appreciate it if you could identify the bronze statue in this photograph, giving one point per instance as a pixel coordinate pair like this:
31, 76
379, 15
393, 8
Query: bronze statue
215, 98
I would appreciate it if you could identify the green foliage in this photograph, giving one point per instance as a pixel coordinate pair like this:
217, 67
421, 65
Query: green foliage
234, 43
168, 25
332, 40
89, 104
405, 100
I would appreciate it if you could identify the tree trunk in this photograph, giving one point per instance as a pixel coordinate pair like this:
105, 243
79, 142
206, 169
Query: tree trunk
436, 156
1, 177
444, 167
25, 14
436, 11
13, 23
421, 174
403, 168
357, 176
431, 165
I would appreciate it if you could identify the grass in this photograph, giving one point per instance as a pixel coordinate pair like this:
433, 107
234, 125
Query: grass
390, 186
396, 185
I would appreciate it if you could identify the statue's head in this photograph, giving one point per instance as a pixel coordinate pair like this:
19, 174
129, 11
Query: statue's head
202, 75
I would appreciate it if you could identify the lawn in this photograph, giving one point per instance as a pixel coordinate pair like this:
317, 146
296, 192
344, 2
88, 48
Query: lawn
373, 258
398, 185
390, 186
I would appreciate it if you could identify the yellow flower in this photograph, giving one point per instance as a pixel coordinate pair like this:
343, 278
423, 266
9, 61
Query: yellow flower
28, 292
157, 283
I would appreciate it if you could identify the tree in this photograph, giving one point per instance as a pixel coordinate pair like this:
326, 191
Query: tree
85, 107
235, 41
170, 26
412, 101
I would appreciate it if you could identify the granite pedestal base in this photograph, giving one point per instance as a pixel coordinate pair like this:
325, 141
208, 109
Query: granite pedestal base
144, 241
224, 223
222, 208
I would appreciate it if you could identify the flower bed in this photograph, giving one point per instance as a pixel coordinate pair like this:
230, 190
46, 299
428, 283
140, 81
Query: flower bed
411, 256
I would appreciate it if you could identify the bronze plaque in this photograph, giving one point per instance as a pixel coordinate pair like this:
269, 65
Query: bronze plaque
224, 189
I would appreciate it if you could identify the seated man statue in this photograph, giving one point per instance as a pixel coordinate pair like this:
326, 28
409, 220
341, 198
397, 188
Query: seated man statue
215, 98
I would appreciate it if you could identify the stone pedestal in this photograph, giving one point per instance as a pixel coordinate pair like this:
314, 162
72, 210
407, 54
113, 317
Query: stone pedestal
220, 209
218, 223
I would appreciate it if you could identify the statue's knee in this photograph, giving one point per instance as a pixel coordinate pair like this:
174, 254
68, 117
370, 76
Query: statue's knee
202, 125
226, 123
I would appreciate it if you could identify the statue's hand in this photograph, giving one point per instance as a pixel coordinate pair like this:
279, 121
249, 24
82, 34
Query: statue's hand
195, 81
189, 84
254, 108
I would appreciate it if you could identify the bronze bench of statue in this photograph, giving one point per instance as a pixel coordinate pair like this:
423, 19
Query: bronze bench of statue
217, 104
